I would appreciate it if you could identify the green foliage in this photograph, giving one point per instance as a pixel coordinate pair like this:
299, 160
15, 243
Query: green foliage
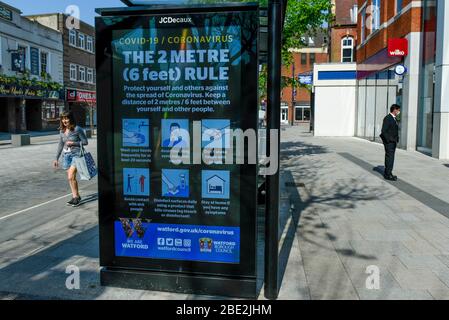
303, 18
25, 81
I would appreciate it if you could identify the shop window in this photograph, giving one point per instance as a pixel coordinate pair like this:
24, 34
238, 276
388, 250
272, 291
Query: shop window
302, 113
73, 76
82, 74
347, 49
82, 40
50, 111
72, 38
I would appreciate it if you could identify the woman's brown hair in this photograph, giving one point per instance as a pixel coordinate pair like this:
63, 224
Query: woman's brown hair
72, 123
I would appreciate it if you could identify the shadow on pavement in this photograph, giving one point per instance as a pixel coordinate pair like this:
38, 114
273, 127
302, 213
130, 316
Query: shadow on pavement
314, 200
42, 275
380, 170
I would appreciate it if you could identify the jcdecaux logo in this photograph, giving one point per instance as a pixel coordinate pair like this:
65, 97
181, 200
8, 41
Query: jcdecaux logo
166, 20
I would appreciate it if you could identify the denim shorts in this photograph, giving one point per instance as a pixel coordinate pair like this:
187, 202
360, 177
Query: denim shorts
67, 160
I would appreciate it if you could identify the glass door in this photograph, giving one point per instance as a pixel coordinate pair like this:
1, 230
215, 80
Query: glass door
284, 115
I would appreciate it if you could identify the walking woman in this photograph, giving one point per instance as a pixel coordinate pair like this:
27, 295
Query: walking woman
71, 139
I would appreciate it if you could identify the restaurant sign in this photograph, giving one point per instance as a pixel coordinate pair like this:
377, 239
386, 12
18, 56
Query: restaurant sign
28, 92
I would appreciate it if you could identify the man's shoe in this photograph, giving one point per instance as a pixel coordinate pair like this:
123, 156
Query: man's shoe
69, 203
390, 178
76, 202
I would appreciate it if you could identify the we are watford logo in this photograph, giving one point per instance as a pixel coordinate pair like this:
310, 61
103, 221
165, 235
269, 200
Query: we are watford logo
397, 47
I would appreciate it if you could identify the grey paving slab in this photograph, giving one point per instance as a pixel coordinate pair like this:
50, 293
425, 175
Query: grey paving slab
349, 219
439, 294
368, 220
423, 261
394, 294
20, 248
421, 246
418, 279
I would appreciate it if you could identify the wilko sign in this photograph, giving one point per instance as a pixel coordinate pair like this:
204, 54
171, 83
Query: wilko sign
81, 96
397, 47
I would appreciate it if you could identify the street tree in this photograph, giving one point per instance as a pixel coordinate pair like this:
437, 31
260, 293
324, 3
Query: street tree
303, 19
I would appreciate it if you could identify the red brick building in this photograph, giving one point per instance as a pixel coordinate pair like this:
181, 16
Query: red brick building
343, 31
380, 85
295, 102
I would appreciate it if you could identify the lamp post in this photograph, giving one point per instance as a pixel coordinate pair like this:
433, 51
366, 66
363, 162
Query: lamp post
273, 123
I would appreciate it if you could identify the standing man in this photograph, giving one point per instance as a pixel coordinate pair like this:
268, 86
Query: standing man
390, 139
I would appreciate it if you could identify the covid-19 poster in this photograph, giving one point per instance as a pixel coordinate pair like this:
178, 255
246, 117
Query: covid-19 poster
182, 99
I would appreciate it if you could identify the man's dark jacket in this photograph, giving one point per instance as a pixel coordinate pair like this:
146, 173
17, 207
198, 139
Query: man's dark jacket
390, 130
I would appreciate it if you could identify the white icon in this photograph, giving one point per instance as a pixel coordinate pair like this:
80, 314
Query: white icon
187, 243
160, 241
169, 241
400, 70
216, 137
215, 185
178, 242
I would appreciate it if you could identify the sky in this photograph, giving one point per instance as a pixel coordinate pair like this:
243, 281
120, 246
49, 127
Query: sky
86, 7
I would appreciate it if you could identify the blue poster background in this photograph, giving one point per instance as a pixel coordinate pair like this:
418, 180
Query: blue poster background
180, 242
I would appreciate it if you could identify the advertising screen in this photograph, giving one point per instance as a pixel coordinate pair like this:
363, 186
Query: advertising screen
177, 192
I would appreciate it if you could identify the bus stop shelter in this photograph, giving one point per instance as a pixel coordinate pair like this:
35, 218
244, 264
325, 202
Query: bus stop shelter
157, 228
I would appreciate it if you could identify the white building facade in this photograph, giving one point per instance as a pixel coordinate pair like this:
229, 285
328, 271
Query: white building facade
31, 73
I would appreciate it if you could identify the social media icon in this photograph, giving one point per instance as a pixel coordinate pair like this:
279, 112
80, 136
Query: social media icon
187, 243
169, 241
160, 241
178, 242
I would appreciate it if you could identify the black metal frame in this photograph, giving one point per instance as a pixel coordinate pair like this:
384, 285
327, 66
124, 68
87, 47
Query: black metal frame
205, 279
276, 12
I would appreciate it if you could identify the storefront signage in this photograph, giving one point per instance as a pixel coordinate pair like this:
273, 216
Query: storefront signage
179, 84
400, 70
81, 96
397, 47
28, 92
18, 61
306, 79
5, 14
34, 61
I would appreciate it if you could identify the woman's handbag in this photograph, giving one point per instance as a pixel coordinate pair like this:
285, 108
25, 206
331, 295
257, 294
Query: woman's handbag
85, 165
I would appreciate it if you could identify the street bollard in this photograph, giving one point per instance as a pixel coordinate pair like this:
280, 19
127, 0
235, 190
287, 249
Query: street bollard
19, 140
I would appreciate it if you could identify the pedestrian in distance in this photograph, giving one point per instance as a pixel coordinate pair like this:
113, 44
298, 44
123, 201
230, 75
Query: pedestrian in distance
390, 139
71, 139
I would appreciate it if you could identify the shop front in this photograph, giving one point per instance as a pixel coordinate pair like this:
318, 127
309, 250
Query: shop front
427, 79
284, 113
302, 113
28, 108
380, 83
83, 104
